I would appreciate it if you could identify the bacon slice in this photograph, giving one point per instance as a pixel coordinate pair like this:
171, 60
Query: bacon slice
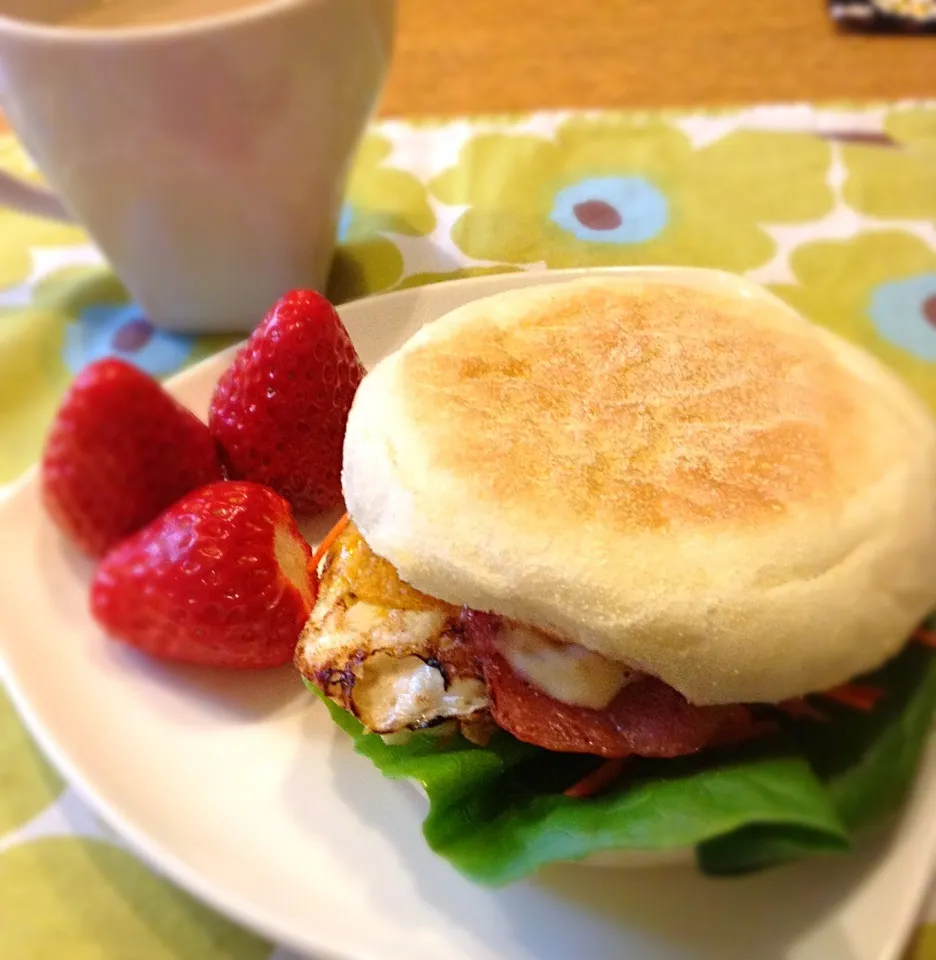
647, 718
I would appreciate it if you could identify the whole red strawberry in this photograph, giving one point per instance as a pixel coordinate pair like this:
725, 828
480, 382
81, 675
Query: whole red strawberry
280, 409
120, 450
221, 578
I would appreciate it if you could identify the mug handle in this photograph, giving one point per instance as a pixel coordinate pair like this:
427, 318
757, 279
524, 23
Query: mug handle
27, 198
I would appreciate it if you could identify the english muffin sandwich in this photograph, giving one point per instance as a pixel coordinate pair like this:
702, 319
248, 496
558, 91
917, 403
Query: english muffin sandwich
633, 566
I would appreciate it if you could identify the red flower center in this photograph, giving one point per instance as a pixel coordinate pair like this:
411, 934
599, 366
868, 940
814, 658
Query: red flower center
132, 336
929, 310
597, 215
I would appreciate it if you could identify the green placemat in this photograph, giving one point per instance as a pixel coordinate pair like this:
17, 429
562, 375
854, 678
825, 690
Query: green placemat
834, 209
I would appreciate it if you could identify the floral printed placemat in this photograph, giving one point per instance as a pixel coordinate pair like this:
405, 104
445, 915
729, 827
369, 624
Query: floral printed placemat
833, 208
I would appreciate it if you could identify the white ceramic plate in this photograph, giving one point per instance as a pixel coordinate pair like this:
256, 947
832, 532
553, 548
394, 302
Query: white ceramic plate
242, 790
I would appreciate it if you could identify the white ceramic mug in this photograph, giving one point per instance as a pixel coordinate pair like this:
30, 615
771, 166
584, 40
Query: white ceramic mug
206, 158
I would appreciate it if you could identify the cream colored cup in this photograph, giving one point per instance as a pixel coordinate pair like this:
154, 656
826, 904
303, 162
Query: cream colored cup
207, 158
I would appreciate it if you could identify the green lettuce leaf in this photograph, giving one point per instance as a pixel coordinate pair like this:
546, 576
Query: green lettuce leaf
498, 812
866, 762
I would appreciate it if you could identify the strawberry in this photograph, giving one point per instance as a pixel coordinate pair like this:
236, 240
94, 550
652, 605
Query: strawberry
222, 578
281, 408
120, 450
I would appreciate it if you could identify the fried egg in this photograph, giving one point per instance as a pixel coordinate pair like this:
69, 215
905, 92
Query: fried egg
388, 654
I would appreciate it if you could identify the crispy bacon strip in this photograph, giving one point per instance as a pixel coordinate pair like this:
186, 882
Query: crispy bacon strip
598, 780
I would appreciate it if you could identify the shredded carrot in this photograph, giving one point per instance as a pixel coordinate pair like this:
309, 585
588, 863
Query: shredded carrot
323, 548
924, 636
599, 779
802, 709
855, 695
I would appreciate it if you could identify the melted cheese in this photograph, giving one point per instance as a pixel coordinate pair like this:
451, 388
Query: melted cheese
564, 671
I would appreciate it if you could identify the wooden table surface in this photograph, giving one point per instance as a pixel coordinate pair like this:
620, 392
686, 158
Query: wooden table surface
478, 56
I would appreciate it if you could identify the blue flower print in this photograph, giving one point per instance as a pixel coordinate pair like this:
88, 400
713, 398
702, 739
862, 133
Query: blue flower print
611, 210
121, 330
904, 312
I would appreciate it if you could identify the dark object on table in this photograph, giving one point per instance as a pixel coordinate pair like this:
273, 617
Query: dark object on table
885, 16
